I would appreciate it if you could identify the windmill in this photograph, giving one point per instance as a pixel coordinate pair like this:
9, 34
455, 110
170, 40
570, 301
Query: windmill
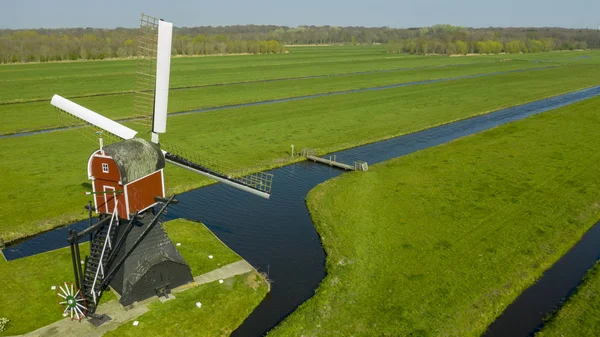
128, 251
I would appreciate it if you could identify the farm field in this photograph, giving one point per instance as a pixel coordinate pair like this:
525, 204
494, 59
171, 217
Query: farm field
33, 304
439, 242
119, 106
259, 136
579, 316
215, 81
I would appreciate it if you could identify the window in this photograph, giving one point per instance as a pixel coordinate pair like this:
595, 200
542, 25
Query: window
105, 167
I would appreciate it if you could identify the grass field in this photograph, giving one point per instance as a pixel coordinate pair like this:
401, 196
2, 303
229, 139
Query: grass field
579, 316
113, 80
230, 135
26, 283
439, 242
260, 136
467, 235
41, 115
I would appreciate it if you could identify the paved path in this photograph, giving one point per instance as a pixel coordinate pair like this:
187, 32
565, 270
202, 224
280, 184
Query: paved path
67, 328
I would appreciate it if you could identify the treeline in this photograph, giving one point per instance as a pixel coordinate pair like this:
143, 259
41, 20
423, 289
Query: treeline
458, 47
451, 40
42, 45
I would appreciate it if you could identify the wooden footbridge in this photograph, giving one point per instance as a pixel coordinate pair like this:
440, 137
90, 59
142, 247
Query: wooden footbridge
332, 161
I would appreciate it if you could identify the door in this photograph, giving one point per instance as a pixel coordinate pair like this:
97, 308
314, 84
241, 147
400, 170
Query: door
109, 198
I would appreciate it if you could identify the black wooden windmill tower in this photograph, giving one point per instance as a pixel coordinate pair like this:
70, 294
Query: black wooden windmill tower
129, 252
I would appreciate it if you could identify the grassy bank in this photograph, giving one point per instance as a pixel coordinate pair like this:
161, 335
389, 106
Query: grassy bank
224, 308
258, 136
29, 303
439, 242
579, 316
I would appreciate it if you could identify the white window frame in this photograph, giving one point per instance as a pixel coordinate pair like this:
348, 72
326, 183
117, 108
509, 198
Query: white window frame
105, 165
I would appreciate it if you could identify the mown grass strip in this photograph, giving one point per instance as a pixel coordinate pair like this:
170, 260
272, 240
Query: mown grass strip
440, 242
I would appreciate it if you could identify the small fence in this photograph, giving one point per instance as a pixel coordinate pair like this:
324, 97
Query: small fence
359, 165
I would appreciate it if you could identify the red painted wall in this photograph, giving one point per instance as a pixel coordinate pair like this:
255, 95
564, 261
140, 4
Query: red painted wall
103, 200
141, 193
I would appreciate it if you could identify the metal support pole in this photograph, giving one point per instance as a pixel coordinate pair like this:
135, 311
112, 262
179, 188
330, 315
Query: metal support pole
121, 241
90, 213
71, 243
78, 261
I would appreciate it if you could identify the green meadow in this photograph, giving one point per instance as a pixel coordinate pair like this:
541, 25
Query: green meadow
26, 285
44, 176
441, 241
579, 316
117, 106
438, 243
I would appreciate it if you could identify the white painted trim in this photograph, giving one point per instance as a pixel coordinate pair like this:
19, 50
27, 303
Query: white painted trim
162, 178
95, 196
89, 165
105, 165
95, 154
126, 201
148, 207
105, 194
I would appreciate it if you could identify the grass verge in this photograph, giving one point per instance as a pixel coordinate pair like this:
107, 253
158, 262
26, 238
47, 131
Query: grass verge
29, 303
440, 242
224, 308
579, 316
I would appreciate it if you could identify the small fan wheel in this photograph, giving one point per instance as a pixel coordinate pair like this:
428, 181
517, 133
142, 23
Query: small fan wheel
72, 301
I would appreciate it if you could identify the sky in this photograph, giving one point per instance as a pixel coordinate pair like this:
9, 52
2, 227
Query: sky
18, 14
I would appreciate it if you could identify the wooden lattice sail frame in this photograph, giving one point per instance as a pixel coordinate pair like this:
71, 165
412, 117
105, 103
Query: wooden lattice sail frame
145, 73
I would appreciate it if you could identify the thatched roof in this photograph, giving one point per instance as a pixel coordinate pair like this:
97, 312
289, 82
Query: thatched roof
136, 158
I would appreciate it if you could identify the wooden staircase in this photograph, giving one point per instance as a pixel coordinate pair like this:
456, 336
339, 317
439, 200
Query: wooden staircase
97, 262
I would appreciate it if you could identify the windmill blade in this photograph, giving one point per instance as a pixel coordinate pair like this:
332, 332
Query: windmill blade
163, 70
257, 183
92, 117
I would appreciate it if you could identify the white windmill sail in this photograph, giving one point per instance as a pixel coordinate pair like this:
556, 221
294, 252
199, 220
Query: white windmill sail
92, 117
256, 183
163, 70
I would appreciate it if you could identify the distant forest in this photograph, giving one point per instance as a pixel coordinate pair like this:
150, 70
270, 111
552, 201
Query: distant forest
452, 40
42, 45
